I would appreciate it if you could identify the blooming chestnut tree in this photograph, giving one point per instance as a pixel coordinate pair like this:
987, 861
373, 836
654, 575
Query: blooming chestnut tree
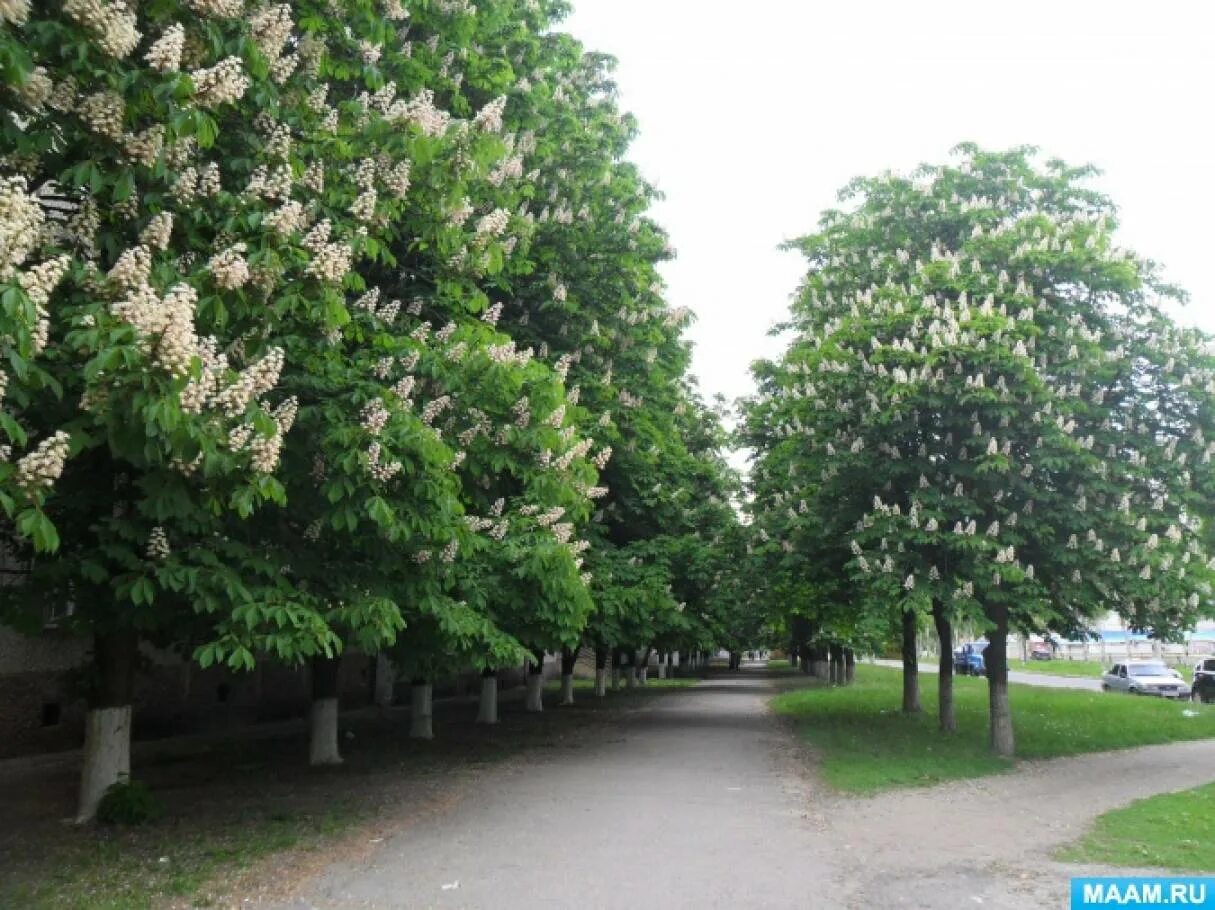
989, 392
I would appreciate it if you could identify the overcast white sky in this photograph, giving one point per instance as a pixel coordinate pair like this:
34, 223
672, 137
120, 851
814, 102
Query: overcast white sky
754, 114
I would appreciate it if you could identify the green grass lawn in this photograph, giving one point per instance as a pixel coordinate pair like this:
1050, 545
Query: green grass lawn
779, 665
1170, 831
120, 870
867, 745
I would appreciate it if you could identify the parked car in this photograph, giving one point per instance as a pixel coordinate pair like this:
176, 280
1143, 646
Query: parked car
968, 659
1041, 652
1145, 677
1204, 667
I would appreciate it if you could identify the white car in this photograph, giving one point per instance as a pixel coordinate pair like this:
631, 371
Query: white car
1145, 677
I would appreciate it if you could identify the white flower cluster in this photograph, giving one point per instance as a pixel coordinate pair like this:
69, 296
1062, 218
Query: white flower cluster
220, 84
112, 23
421, 110
21, 222
381, 471
489, 118
218, 9
14, 11
254, 381
102, 112
494, 224
40, 468
287, 218
165, 53
374, 417
158, 544
165, 325
229, 268
330, 261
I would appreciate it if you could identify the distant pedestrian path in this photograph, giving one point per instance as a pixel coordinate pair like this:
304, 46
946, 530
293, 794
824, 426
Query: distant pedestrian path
1046, 680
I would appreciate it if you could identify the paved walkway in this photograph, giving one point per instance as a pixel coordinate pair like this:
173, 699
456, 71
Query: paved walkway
701, 799
691, 801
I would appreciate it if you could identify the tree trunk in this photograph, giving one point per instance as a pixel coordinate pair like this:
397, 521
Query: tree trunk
807, 659
630, 670
617, 662
662, 664
534, 702
107, 730
601, 671
420, 710
911, 665
849, 667
323, 749
793, 656
945, 714
643, 667
837, 665
385, 681
569, 657
487, 712
995, 658
822, 663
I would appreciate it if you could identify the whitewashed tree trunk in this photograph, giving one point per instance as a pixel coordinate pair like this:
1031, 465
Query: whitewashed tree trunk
643, 676
323, 749
107, 756
601, 679
615, 677
487, 713
534, 703
662, 671
385, 681
630, 679
107, 738
567, 688
421, 711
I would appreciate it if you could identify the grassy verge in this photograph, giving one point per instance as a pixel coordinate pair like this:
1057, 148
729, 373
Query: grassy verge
779, 665
1170, 831
867, 745
143, 868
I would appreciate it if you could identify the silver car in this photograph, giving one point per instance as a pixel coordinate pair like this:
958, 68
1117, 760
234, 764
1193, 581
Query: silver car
1145, 677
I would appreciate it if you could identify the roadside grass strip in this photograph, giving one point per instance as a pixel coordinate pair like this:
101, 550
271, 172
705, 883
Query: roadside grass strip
1171, 831
866, 745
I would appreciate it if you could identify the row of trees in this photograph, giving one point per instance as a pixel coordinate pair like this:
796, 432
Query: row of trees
338, 324
984, 414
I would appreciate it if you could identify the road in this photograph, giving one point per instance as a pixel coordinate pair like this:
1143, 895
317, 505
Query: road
702, 798
929, 665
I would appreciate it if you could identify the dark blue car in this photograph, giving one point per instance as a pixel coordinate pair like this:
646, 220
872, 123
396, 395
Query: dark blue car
968, 659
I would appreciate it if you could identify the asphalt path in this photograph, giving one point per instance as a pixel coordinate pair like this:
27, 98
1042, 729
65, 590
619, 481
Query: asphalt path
702, 798
695, 799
